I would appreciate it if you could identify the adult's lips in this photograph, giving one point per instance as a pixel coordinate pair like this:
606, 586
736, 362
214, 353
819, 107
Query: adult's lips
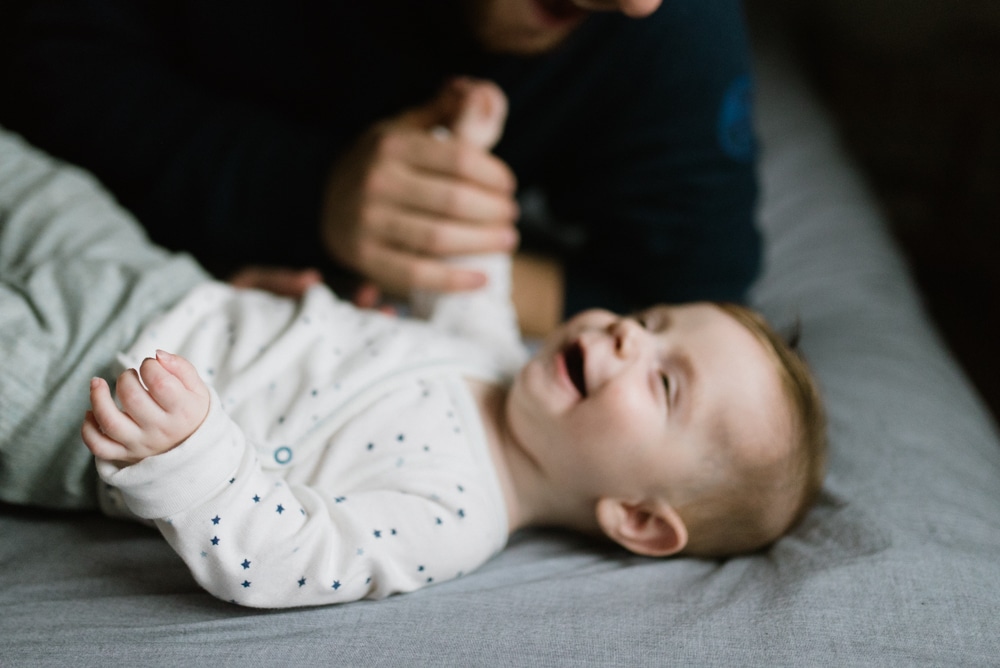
559, 11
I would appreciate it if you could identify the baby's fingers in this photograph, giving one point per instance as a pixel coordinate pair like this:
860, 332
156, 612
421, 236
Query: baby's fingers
99, 444
165, 388
136, 401
108, 418
184, 371
175, 385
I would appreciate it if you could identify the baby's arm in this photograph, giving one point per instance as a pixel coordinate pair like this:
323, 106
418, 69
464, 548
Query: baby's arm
158, 411
251, 537
486, 315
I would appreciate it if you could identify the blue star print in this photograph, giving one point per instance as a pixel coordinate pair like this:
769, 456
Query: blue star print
302, 581
256, 499
280, 509
245, 583
216, 519
215, 540
245, 564
336, 584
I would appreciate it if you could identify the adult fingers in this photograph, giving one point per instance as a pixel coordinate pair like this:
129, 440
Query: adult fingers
426, 235
450, 157
442, 196
284, 281
400, 272
368, 295
481, 113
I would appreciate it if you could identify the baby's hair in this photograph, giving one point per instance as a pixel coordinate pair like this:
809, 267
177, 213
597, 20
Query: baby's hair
729, 521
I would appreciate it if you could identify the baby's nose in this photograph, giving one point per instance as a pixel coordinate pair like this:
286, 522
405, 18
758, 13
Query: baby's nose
624, 332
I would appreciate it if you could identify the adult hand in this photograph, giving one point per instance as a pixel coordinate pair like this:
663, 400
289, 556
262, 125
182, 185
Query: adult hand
289, 282
283, 281
406, 198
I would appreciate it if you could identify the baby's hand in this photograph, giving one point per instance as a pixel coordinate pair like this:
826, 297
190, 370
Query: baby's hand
150, 422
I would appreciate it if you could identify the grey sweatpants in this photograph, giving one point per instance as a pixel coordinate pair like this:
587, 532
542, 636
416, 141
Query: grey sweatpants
78, 279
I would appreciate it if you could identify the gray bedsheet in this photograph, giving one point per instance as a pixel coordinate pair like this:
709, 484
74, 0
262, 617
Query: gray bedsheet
898, 565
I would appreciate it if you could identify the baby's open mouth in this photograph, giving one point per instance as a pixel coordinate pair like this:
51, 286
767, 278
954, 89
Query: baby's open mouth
573, 356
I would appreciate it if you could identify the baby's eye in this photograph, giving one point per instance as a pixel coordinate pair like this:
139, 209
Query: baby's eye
666, 383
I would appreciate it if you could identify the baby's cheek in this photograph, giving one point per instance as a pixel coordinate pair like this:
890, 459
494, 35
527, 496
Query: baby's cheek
632, 406
616, 424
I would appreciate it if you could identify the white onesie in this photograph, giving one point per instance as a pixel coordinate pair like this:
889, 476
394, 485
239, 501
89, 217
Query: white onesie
343, 456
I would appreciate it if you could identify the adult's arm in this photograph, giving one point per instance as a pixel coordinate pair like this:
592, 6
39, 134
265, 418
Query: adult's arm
233, 128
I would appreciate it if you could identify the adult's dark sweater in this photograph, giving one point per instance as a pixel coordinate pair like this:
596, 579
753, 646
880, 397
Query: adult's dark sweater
217, 124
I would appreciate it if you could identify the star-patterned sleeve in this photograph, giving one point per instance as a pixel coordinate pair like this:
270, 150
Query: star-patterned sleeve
486, 315
252, 538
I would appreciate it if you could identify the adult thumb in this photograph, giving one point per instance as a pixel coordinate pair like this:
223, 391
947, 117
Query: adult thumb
474, 110
481, 112
439, 111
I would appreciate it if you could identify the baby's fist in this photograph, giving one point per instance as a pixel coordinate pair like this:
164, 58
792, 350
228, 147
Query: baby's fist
157, 412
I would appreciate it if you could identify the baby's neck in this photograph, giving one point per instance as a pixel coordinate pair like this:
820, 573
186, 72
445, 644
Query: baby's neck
530, 497
491, 400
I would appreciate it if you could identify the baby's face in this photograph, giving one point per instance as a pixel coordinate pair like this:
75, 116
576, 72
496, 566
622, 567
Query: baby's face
632, 406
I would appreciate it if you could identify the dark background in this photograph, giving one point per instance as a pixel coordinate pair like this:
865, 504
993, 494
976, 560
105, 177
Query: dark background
914, 86
915, 90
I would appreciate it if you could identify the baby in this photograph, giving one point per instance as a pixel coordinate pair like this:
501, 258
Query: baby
341, 454
681, 429
305, 452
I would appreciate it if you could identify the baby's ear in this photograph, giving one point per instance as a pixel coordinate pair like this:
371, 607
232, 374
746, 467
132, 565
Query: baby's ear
651, 528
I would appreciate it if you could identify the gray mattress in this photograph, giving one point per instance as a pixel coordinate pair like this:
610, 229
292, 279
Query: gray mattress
899, 564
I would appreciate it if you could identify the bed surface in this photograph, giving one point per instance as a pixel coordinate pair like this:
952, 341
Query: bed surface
899, 564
